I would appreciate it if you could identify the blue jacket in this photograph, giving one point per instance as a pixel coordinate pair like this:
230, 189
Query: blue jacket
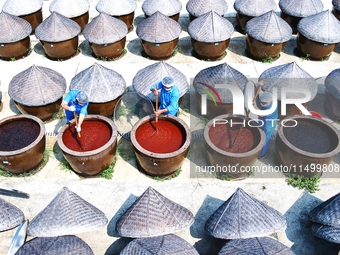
71, 98
168, 99
269, 126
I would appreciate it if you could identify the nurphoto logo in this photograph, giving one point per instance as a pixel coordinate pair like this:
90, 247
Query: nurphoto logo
239, 99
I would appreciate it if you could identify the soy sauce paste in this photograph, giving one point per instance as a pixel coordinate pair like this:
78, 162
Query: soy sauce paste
18, 134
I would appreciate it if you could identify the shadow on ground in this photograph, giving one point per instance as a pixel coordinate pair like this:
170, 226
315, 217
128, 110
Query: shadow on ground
117, 246
299, 232
207, 245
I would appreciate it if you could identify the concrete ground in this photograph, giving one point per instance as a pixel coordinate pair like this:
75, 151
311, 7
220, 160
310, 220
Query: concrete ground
194, 191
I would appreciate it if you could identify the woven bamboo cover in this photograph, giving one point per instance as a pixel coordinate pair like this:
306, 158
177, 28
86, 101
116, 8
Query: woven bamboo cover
13, 28
254, 8
68, 245
331, 234
243, 216
70, 8
257, 245
105, 29
298, 8
166, 244
291, 76
220, 74
322, 27
153, 215
210, 28
200, 7
328, 212
116, 7
336, 4
155, 73
332, 83
100, 83
269, 28
10, 215
167, 7
66, 214
158, 28
19, 7
57, 28
37, 86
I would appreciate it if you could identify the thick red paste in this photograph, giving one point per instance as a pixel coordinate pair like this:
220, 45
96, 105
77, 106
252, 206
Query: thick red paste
161, 137
94, 134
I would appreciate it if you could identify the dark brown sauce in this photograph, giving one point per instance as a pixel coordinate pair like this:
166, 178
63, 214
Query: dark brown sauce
18, 134
235, 139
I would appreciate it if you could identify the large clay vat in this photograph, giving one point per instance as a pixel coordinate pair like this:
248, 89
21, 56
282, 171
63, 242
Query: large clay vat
61, 50
159, 51
89, 162
161, 164
43, 112
258, 50
16, 50
104, 109
314, 143
242, 21
291, 20
109, 50
314, 50
175, 17
233, 161
128, 19
191, 17
23, 143
34, 19
82, 20
211, 51
336, 13
332, 104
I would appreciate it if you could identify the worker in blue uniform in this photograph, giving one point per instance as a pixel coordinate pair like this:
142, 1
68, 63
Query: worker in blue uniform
168, 96
269, 121
75, 101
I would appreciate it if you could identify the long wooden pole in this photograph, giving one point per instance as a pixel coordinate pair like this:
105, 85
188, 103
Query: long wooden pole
157, 102
75, 117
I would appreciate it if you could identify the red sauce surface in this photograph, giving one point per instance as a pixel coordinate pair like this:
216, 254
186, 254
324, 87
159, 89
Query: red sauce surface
161, 137
94, 134
18, 134
231, 139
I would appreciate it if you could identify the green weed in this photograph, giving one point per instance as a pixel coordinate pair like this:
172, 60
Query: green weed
268, 59
157, 179
13, 59
183, 111
169, 177
307, 57
175, 52
65, 166
224, 178
310, 184
108, 172
202, 121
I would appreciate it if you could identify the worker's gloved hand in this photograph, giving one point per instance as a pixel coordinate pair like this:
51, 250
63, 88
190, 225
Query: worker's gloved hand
72, 108
155, 92
78, 128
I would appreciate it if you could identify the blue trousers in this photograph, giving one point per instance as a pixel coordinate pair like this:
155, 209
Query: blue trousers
268, 132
